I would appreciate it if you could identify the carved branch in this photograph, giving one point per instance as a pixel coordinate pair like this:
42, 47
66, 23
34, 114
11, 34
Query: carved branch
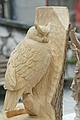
13, 113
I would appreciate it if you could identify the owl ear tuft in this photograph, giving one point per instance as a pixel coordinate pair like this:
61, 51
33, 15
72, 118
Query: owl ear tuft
37, 27
43, 30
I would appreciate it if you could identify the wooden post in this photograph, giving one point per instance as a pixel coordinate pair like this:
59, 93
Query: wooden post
59, 19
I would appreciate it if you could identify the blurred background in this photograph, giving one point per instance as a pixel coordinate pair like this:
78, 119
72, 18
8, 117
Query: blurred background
16, 16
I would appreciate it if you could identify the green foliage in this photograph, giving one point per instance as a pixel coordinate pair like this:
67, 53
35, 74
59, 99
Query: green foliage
72, 60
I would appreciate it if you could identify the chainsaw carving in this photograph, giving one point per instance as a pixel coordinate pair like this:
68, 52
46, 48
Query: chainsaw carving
35, 68
76, 82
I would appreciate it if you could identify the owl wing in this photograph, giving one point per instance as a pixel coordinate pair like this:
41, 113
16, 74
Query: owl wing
29, 62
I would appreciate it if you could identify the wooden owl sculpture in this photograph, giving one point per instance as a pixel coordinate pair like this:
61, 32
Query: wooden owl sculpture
27, 66
35, 68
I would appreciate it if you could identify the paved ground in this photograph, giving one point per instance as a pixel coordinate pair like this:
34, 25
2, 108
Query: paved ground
69, 102
69, 116
68, 105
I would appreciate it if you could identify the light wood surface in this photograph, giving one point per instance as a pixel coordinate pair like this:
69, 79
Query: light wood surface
35, 68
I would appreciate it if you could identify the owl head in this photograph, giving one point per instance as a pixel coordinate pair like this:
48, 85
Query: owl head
39, 33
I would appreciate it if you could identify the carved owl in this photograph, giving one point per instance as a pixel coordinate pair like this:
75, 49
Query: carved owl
27, 64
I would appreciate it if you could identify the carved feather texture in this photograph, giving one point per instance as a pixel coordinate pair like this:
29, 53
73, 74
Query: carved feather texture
27, 65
